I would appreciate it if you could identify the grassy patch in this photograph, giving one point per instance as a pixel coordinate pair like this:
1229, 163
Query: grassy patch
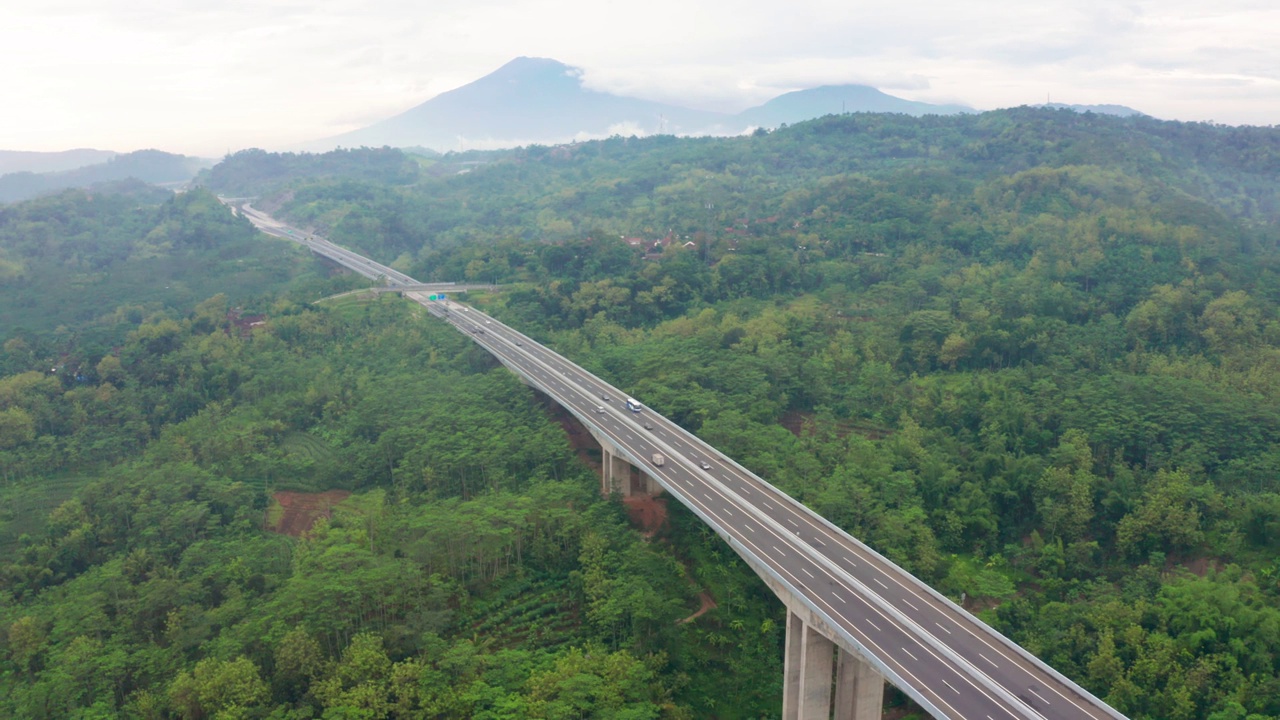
275, 512
352, 305
526, 612
25, 505
308, 446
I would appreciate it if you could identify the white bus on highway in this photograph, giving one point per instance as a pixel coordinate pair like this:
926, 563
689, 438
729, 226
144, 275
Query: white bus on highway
633, 405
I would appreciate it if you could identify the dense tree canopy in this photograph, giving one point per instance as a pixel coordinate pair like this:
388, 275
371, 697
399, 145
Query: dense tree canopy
1032, 356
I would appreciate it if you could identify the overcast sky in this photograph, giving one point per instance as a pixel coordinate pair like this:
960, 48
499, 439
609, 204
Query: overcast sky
207, 76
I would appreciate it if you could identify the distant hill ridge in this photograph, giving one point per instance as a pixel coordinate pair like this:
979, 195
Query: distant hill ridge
1117, 110
150, 166
12, 161
804, 105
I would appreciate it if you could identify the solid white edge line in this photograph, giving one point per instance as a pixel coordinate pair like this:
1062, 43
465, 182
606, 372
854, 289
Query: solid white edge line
959, 675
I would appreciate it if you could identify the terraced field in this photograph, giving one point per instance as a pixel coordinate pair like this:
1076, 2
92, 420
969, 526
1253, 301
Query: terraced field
25, 505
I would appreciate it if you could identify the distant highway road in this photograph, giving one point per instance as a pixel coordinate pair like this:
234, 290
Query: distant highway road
321, 246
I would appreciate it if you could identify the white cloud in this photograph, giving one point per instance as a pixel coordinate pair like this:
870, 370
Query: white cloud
205, 77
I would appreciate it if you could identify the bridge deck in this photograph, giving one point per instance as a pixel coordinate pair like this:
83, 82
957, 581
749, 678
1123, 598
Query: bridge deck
947, 660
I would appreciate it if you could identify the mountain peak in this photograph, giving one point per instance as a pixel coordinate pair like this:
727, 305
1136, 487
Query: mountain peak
541, 100
538, 75
529, 99
532, 66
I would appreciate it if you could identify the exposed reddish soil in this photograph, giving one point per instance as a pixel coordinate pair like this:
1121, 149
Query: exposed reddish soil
1199, 566
301, 510
647, 513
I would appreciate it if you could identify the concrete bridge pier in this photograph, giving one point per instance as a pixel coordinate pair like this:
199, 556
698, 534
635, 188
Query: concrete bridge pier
616, 473
859, 689
808, 682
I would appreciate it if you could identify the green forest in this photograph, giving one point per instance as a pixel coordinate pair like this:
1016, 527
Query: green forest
1032, 356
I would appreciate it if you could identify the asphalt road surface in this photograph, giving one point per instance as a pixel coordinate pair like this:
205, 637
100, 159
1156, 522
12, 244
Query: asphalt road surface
932, 649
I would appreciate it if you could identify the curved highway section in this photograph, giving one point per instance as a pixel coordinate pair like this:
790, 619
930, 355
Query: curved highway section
947, 660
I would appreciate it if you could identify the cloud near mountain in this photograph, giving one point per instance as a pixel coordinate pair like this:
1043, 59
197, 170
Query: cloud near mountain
539, 100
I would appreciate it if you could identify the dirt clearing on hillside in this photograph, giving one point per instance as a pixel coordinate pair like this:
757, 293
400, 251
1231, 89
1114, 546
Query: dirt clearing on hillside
295, 512
647, 513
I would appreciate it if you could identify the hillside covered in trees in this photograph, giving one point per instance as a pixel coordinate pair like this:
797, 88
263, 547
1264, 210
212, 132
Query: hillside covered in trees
1030, 355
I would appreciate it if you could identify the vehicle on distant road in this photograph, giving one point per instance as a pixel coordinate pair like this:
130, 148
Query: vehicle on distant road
600, 408
705, 465
604, 397
648, 425
634, 405
658, 460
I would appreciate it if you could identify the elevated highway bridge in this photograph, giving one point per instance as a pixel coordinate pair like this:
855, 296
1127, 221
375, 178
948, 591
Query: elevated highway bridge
854, 619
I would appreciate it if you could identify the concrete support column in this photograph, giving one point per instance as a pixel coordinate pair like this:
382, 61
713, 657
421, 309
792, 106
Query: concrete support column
791, 667
815, 671
621, 475
810, 657
859, 689
606, 466
615, 473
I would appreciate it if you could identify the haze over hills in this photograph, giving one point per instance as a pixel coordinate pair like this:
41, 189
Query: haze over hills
539, 100
150, 166
12, 161
804, 105
1117, 110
